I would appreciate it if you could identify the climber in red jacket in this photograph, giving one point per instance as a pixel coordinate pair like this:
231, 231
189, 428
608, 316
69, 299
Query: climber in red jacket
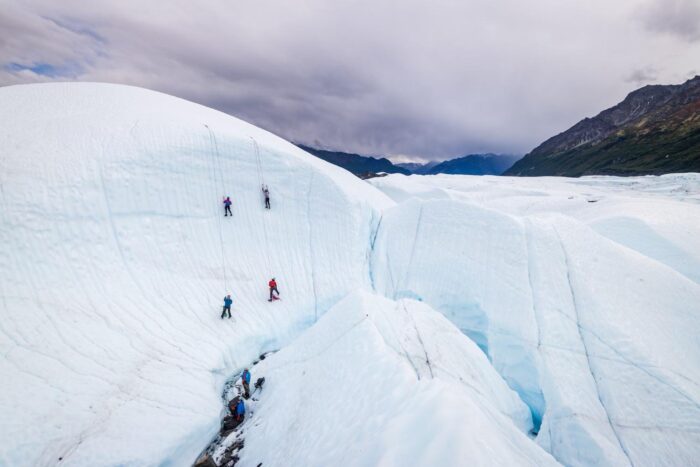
273, 290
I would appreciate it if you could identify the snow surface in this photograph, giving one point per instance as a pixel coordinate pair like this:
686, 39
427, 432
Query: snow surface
424, 320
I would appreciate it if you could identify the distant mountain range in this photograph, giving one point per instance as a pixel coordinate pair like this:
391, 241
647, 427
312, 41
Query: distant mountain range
418, 168
475, 164
362, 166
655, 130
366, 166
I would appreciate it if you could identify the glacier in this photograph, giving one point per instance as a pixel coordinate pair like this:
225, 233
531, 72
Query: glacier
595, 328
424, 320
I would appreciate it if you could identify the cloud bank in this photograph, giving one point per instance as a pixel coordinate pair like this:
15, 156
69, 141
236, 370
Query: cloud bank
423, 79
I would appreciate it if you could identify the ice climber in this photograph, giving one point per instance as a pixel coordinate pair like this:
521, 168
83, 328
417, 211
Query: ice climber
227, 206
273, 290
240, 410
245, 379
227, 306
266, 192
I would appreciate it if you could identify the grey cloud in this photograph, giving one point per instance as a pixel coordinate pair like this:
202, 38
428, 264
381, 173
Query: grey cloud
676, 17
430, 80
642, 76
31, 39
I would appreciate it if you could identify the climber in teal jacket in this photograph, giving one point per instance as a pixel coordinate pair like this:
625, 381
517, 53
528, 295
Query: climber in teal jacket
227, 306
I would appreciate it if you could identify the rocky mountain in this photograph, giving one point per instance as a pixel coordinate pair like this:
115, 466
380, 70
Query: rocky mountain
362, 166
475, 164
654, 130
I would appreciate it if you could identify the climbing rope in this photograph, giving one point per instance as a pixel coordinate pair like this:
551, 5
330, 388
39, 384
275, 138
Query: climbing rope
216, 166
258, 162
311, 246
395, 288
261, 181
420, 340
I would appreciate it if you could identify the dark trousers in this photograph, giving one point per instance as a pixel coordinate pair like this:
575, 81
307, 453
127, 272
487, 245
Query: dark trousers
273, 289
227, 309
227, 211
246, 389
267, 203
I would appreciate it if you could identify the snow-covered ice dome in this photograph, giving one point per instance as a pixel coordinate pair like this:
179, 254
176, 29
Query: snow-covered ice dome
113, 269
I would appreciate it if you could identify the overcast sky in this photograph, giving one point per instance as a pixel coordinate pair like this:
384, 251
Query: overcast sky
428, 79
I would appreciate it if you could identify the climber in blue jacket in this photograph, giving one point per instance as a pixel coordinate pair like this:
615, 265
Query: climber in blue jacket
240, 410
227, 306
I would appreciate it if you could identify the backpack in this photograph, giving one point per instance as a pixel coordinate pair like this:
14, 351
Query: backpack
259, 383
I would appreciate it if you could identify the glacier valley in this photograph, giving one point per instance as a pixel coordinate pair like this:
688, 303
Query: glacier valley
424, 320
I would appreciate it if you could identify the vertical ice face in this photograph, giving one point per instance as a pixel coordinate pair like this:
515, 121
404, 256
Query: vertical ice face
471, 264
115, 258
